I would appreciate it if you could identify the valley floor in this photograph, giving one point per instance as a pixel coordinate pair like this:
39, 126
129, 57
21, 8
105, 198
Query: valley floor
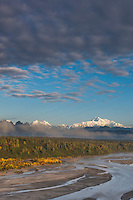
84, 178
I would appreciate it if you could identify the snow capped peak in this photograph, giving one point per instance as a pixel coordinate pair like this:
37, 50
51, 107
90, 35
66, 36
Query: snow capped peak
97, 122
9, 121
43, 123
63, 125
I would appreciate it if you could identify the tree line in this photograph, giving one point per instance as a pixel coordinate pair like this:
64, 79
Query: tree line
38, 147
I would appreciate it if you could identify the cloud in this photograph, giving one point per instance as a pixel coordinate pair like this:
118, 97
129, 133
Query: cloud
113, 84
99, 72
65, 43
112, 97
50, 97
5, 87
13, 90
54, 34
35, 69
38, 92
111, 65
90, 84
75, 94
70, 75
24, 95
96, 83
105, 92
13, 72
72, 98
54, 101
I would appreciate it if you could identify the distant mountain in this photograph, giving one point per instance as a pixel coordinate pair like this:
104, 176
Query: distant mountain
97, 122
6, 121
63, 126
42, 123
18, 123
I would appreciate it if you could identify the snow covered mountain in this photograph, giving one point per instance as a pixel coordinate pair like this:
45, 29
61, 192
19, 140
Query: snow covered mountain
97, 122
40, 123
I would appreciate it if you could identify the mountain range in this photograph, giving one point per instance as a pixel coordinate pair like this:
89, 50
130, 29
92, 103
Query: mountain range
96, 122
96, 128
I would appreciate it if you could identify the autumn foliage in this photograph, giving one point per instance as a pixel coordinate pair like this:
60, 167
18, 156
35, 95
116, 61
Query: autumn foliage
42, 150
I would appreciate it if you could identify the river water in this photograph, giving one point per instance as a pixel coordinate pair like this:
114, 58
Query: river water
120, 183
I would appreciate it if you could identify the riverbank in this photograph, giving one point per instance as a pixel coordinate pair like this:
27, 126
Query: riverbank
83, 178
49, 181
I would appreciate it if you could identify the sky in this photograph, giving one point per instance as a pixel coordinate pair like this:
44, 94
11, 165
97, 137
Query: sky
66, 61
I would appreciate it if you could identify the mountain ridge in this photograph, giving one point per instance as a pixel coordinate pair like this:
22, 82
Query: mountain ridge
95, 122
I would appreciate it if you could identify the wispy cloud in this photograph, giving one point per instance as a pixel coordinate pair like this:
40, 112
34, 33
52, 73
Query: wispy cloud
112, 97
113, 84
105, 92
90, 84
13, 72
110, 65
75, 94
72, 98
5, 87
15, 90
50, 97
11, 89
70, 75
35, 69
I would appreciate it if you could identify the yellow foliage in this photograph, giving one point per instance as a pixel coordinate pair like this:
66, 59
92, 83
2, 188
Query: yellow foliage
12, 163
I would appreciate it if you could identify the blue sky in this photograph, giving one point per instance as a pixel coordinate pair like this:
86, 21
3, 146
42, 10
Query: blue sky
66, 62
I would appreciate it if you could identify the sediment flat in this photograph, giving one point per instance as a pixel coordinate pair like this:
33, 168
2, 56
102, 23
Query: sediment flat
82, 178
49, 181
